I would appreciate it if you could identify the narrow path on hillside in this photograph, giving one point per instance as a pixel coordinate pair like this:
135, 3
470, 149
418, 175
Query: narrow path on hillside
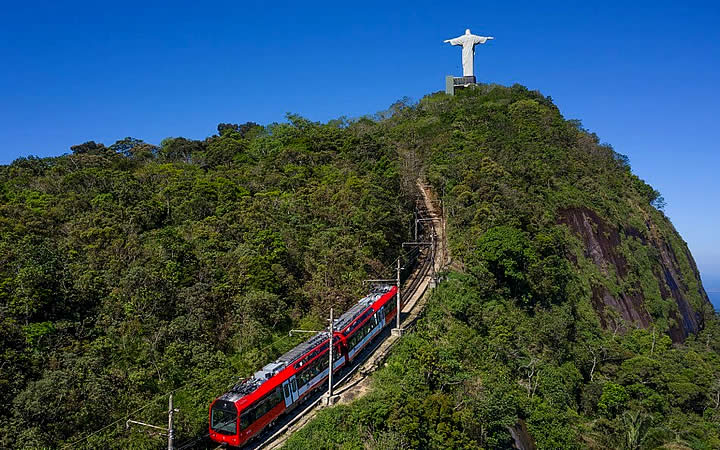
357, 382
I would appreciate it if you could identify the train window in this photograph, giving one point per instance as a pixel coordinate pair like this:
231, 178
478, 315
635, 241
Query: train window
318, 366
294, 385
310, 356
224, 420
247, 418
363, 331
311, 373
276, 397
287, 391
304, 377
263, 408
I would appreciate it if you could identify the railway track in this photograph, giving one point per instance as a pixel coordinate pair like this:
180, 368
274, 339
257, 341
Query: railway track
355, 382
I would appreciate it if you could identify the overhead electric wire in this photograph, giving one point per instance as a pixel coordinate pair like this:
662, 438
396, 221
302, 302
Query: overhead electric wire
158, 397
414, 252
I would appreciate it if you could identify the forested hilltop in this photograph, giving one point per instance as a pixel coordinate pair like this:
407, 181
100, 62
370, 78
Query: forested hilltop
572, 314
131, 270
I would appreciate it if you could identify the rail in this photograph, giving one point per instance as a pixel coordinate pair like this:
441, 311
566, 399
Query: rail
411, 308
374, 356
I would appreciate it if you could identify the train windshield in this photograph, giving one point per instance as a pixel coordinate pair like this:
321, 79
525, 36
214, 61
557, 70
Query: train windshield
224, 417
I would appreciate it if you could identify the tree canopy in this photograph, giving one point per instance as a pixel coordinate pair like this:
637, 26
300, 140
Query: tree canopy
131, 270
572, 314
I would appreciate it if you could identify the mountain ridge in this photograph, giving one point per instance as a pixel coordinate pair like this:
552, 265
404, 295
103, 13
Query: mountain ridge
573, 309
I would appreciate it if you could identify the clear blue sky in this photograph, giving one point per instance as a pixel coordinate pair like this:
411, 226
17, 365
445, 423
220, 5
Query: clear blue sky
643, 75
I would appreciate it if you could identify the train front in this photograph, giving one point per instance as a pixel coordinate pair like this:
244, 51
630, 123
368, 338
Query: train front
224, 422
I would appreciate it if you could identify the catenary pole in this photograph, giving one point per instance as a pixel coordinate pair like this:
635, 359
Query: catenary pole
416, 224
397, 317
171, 432
432, 251
330, 358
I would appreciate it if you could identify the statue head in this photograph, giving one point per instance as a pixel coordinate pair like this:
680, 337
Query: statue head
467, 31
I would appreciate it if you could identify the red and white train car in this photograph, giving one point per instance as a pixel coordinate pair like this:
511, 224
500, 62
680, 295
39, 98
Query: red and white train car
250, 406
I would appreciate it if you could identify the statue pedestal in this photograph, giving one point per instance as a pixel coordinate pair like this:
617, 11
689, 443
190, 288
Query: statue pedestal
454, 83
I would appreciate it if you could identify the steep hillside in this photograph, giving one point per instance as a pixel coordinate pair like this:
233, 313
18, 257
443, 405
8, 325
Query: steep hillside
506, 158
133, 270
572, 315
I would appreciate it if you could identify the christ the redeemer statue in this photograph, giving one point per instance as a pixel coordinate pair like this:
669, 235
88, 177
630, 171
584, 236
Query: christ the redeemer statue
468, 42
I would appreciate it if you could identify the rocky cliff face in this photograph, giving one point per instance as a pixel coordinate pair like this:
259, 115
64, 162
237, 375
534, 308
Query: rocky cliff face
662, 283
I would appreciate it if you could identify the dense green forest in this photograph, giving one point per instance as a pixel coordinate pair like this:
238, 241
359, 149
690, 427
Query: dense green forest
572, 314
132, 270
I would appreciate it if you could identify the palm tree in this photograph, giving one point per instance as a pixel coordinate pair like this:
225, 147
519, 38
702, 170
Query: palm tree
635, 429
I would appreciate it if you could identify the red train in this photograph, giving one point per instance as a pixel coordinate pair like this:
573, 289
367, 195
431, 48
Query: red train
250, 406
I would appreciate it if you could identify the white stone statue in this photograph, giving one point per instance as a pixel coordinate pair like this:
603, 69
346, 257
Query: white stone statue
468, 42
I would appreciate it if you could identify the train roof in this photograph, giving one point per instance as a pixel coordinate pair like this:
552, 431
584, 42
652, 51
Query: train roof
250, 385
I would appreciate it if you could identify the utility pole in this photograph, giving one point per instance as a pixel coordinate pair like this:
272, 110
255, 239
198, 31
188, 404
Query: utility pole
330, 358
331, 398
399, 300
432, 219
432, 253
398, 331
416, 224
169, 430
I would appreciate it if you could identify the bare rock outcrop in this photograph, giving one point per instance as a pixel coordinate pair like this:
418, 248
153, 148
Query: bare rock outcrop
602, 246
